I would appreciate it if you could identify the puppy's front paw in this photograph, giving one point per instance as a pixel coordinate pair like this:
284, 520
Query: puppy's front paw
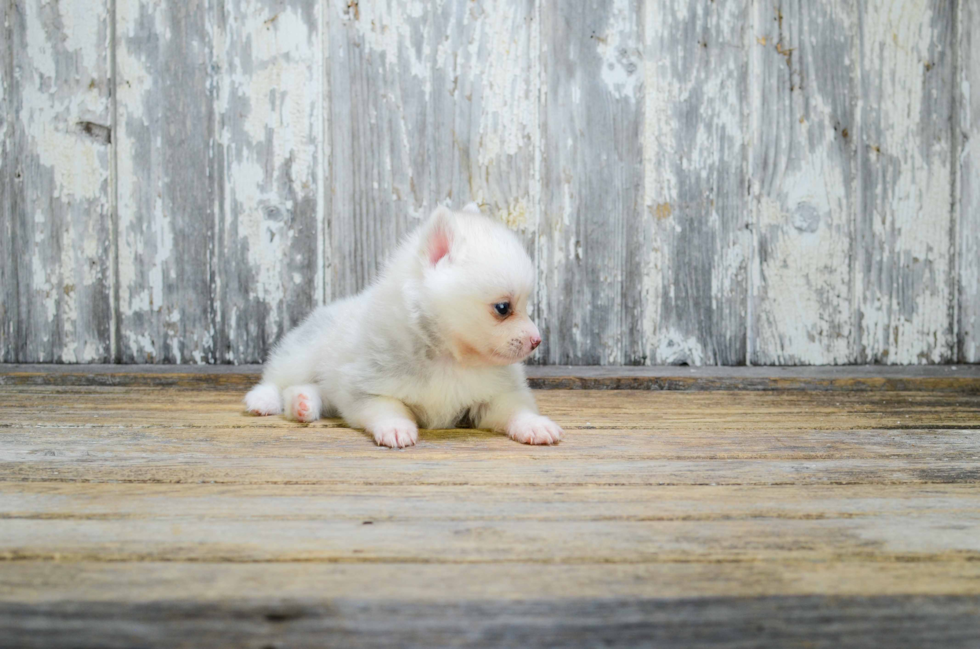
534, 429
395, 433
302, 403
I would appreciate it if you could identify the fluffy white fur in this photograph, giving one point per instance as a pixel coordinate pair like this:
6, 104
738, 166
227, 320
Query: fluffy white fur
424, 346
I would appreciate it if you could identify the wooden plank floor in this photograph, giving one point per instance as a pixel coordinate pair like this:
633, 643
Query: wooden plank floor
164, 516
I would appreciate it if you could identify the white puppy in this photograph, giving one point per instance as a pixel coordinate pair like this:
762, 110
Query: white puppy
436, 342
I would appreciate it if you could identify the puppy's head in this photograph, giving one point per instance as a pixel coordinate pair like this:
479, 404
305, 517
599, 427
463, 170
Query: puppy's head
477, 280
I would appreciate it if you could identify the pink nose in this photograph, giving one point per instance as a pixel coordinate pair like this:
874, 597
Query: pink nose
535, 341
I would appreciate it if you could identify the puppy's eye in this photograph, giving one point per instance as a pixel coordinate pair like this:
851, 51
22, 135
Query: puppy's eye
502, 309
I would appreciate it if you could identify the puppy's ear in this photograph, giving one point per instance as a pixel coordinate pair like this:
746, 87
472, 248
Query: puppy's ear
472, 208
437, 241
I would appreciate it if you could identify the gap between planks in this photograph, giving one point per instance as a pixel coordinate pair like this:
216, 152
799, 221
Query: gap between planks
935, 378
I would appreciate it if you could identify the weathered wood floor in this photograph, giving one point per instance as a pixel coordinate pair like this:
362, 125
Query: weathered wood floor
164, 516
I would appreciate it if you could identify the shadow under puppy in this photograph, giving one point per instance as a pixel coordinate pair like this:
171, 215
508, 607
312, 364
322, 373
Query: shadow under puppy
437, 340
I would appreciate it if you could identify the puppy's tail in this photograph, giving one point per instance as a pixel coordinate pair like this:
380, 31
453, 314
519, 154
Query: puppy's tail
264, 399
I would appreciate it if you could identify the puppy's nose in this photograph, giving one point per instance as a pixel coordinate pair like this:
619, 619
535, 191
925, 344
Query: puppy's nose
535, 341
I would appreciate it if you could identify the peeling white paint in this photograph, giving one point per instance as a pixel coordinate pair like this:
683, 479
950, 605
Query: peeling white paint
509, 109
622, 61
802, 284
386, 27
60, 77
967, 246
69, 295
136, 83
674, 348
49, 116
152, 220
659, 188
514, 216
39, 51
690, 165
79, 173
81, 27
42, 275
280, 88
140, 345
272, 107
906, 314
269, 106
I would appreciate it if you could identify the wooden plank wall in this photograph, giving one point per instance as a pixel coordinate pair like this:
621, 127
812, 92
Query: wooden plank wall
56, 284
966, 130
698, 181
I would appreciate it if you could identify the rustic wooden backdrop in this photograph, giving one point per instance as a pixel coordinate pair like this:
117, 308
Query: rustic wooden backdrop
699, 181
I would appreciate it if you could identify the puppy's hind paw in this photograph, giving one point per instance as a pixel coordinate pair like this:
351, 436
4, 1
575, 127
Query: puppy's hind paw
302, 403
534, 429
263, 400
395, 433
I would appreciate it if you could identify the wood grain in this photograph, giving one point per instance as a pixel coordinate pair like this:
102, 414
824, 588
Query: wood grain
614, 438
803, 157
55, 239
904, 223
916, 378
967, 130
164, 516
698, 183
485, 139
807, 621
166, 204
627, 525
590, 235
695, 277
427, 107
36, 583
270, 229
379, 167
161, 516
8, 266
